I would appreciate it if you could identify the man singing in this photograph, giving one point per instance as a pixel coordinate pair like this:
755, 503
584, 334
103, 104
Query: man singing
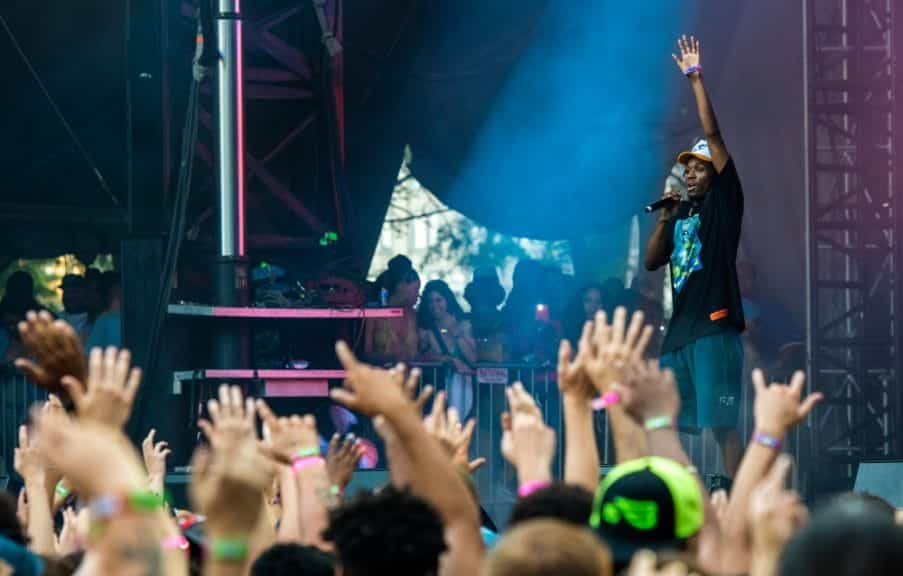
699, 239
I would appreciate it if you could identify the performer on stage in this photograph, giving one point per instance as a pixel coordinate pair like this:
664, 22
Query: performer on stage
699, 239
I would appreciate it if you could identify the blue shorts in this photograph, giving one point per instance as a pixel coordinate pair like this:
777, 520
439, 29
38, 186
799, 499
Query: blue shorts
709, 372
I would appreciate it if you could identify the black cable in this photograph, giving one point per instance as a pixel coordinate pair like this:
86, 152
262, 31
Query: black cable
59, 114
183, 188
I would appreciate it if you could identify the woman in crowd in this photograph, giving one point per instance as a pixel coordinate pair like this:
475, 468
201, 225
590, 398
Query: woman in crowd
484, 294
391, 340
446, 337
583, 309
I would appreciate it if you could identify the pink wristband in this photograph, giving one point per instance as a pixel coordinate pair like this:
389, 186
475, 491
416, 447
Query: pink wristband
528, 488
608, 399
300, 464
175, 543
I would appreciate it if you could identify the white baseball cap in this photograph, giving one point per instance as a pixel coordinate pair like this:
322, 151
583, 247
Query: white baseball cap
700, 151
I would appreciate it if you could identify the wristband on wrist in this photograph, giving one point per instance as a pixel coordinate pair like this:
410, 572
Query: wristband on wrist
307, 453
229, 550
61, 490
658, 423
299, 464
608, 399
105, 507
693, 70
768, 441
177, 542
528, 488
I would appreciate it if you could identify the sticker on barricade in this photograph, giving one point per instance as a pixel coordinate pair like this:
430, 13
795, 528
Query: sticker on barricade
492, 375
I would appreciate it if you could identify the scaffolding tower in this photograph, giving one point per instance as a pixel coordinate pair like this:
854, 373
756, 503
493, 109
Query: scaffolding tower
853, 257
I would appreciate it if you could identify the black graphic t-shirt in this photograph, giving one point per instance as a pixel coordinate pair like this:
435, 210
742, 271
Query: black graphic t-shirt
704, 241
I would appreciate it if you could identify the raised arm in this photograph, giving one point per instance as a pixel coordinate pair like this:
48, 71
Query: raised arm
689, 63
581, 460
612, 348
432, 475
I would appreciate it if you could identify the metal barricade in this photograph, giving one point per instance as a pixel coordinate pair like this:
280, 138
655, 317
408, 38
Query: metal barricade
481, 395
17, 396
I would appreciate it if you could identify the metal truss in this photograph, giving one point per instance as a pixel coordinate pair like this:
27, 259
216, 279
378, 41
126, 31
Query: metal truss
853, 221
293, 140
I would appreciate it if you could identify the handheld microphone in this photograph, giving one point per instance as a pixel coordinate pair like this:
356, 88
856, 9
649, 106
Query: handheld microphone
659, 204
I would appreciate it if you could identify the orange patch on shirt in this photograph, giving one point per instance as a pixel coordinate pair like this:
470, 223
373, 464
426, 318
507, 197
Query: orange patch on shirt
718, 315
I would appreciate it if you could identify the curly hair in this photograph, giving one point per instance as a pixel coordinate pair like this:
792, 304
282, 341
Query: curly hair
424, 318
295, 560
565, 502
389, 531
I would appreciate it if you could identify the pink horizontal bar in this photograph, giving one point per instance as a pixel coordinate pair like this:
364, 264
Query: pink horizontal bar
302, 374
276, 374
335, 313
296, 388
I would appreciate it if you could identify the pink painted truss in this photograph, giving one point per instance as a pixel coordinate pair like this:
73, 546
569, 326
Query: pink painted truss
298, 313
276, 383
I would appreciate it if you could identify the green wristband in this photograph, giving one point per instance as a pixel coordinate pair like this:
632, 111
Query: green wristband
61, 490
658, 423
226, 550
307, 452
145, 501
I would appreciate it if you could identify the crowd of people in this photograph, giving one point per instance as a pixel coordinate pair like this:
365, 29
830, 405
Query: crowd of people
524, 325
91, 305
265, 500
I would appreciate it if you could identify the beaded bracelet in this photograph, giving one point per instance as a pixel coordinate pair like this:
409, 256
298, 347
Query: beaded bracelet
693, 70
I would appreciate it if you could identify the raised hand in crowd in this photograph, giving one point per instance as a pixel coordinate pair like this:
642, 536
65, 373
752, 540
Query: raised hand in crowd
155, 454
56, 351
71, 538
647, 393
31, 465
131, 528
581, 457
444, 424
613, 346
295, 442
527, 443
342, 459
775, 513
432, 475
776, 410
228, 480
112, 384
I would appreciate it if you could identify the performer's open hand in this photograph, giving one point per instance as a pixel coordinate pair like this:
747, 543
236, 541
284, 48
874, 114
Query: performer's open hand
689, 53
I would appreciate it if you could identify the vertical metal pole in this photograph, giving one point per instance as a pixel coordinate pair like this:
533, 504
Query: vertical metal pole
230, 129
230, 270
811, 318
